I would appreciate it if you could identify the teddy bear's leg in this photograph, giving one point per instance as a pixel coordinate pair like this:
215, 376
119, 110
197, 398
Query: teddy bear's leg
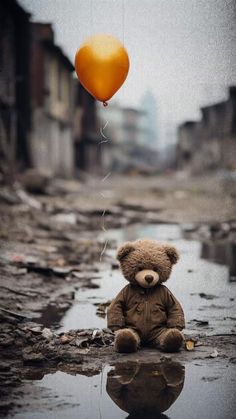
126, 340
170, 340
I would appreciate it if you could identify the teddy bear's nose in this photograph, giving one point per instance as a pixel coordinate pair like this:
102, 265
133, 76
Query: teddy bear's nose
149, 279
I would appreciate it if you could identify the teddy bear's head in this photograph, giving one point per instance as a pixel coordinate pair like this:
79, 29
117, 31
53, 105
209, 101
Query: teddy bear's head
146, 262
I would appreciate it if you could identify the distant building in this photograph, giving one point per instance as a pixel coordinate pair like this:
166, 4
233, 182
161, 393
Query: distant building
149, 107
15, 112
209, 144
134, 127
126, 130
51, 87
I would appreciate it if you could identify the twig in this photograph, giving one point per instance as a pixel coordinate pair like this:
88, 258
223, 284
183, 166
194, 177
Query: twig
18, 292
12, 313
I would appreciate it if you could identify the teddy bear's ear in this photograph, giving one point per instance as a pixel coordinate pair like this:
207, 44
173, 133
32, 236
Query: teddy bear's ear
124, 250
172, 253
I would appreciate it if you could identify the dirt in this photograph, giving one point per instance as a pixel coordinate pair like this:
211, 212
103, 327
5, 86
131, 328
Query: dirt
51, 246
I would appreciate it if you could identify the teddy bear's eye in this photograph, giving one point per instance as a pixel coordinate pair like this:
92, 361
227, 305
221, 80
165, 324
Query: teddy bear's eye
140, 269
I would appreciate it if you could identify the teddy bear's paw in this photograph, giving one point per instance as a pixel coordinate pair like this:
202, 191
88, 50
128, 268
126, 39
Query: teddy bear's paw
171, 340
126, 340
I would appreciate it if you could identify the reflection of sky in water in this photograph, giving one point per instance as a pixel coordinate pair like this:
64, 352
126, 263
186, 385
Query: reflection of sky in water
208, 393
190, 277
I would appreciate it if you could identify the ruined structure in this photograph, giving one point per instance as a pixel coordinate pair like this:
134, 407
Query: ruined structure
51, 84
15, 115
209, 144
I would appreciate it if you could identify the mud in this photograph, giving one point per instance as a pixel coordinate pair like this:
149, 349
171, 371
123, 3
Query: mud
53, 281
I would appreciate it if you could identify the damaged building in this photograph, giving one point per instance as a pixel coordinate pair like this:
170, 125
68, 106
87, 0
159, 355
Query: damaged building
51, 85
15, 113
209, 144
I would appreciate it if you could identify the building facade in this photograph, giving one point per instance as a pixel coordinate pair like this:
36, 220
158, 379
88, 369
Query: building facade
15, 106
52, 107
209, 144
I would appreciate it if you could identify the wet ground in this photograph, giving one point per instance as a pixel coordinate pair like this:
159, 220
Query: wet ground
135, 391
51, 274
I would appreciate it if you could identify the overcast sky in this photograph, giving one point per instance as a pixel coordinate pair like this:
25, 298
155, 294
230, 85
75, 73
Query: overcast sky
182, 50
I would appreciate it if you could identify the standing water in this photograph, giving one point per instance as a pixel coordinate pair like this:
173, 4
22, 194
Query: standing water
153, 390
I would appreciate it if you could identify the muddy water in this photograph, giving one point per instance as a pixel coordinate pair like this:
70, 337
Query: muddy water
135, 391
201, 286
196, 391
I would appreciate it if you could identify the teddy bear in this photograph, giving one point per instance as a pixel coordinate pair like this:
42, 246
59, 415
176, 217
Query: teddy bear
163, 385
145, 312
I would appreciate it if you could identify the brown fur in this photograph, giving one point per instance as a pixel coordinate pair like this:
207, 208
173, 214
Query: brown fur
170, 340
126, 340
146, 254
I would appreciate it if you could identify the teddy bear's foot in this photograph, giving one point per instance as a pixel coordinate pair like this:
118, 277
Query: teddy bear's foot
126, 340
170, 340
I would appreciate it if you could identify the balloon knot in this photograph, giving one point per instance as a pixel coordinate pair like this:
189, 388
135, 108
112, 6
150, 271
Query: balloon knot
105, 104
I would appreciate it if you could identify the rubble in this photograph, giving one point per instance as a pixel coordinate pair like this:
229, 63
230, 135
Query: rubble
50, 249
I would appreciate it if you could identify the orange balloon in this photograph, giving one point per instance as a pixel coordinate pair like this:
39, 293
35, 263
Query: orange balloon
102, 65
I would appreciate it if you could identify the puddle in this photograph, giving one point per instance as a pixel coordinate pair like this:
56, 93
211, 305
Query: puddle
141, 390
221, 252
134, 391
192, 276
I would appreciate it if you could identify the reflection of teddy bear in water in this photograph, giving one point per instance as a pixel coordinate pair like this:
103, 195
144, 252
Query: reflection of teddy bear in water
145, 311
145, 390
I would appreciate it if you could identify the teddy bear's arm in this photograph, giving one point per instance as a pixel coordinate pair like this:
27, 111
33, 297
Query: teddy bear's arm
175, 314
115, 312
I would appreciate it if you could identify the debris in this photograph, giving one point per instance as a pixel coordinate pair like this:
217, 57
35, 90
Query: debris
102, 308
209, 379
36, 329
200, 322
24, 294
8, 196
214, 354
198, 343
62, 271
94, 333
65, 339
47, 333
69, 218
12, 313
28, 200
207, 296
82, 342
6, 340
32, 357
35, 181
189, 345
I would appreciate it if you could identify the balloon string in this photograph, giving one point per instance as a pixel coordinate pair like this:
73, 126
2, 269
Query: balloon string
106, 139
103, 226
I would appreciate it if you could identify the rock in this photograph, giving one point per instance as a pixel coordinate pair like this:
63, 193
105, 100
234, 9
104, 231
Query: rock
65, 339
61, 271
5, 366
200, 322
67, 218
82, 342
35, 181
37, 330
8, 196
32, 357
214, 354
207, 296
28, 200
47, 334
6, 340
